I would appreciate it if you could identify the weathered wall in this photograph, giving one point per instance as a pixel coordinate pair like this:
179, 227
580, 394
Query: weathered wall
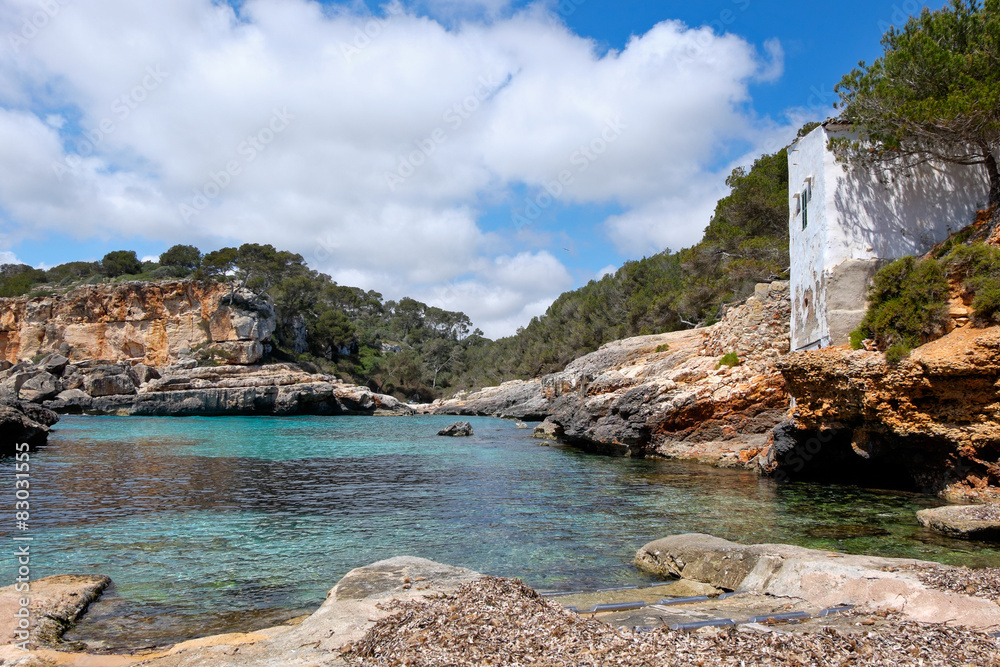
855, 224
155, 323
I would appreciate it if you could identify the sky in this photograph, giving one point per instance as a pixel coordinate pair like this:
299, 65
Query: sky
477, 155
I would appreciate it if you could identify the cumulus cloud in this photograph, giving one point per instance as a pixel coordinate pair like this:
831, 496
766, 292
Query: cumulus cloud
368, 143
7, 257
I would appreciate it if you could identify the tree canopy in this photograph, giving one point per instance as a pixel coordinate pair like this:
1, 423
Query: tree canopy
120, 262
933, 96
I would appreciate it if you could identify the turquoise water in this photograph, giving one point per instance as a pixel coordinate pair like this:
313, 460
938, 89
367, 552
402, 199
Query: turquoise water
217, 524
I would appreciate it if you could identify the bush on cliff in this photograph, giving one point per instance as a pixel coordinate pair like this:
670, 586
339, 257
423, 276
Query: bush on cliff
907, 306
977, 266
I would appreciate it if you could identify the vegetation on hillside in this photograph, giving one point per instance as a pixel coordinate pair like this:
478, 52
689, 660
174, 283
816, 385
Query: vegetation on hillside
419, 351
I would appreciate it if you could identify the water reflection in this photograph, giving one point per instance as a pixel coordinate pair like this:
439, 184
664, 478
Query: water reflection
203, 522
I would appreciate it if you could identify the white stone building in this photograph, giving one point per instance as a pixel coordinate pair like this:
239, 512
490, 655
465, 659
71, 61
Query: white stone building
846, 223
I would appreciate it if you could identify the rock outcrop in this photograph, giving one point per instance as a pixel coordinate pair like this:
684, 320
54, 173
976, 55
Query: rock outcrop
54, 604
182, 390
965, 522
155, 323
22, 422
931, 422
457, 430
823, 578
667, 394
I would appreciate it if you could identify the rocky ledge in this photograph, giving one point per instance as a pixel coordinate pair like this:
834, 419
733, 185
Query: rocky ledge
931, 422
823, 578
54, 604
711, 395
104, 387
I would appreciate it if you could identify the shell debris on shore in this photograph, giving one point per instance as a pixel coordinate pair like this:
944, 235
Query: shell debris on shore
497, 621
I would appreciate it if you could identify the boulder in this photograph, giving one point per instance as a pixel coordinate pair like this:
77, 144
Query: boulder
39, 388
108, 381
37, 413
71, 400
964, 522
54, 363
4, 365
11, 387
144, 373
548, 430
457, 430
16, 427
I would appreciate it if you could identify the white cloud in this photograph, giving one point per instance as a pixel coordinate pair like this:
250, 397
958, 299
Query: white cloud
7, 257
608, 270
172, 94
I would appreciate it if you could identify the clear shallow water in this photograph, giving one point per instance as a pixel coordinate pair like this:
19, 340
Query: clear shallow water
216, 524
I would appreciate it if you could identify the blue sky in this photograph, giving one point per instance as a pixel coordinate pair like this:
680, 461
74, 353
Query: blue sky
361, 155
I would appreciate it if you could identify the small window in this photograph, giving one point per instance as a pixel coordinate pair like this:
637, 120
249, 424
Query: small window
805, 207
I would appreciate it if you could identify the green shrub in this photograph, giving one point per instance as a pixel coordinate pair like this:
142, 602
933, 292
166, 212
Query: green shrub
665, 347
907, 305
729, 359
897, 353
978, 267
857, 338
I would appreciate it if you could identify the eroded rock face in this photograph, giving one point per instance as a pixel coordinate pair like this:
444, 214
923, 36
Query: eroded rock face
666, 394
932, 422
148, 322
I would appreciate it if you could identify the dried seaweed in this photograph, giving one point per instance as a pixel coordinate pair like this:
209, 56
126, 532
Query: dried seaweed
503, 622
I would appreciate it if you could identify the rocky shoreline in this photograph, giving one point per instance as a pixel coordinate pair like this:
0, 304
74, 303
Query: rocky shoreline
413, 611
710, 395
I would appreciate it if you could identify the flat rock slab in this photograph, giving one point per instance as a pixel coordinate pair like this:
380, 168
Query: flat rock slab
56, 603
820, 578
964, 522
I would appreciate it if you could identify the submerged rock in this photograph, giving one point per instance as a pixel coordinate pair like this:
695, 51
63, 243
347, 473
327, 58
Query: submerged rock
457, 430
965, 522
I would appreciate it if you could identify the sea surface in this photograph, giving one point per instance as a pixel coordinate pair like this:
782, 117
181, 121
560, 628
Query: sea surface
211, 525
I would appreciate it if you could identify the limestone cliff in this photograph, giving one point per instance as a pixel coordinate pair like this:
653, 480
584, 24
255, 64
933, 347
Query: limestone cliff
155, 323
932, 422
665, 394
